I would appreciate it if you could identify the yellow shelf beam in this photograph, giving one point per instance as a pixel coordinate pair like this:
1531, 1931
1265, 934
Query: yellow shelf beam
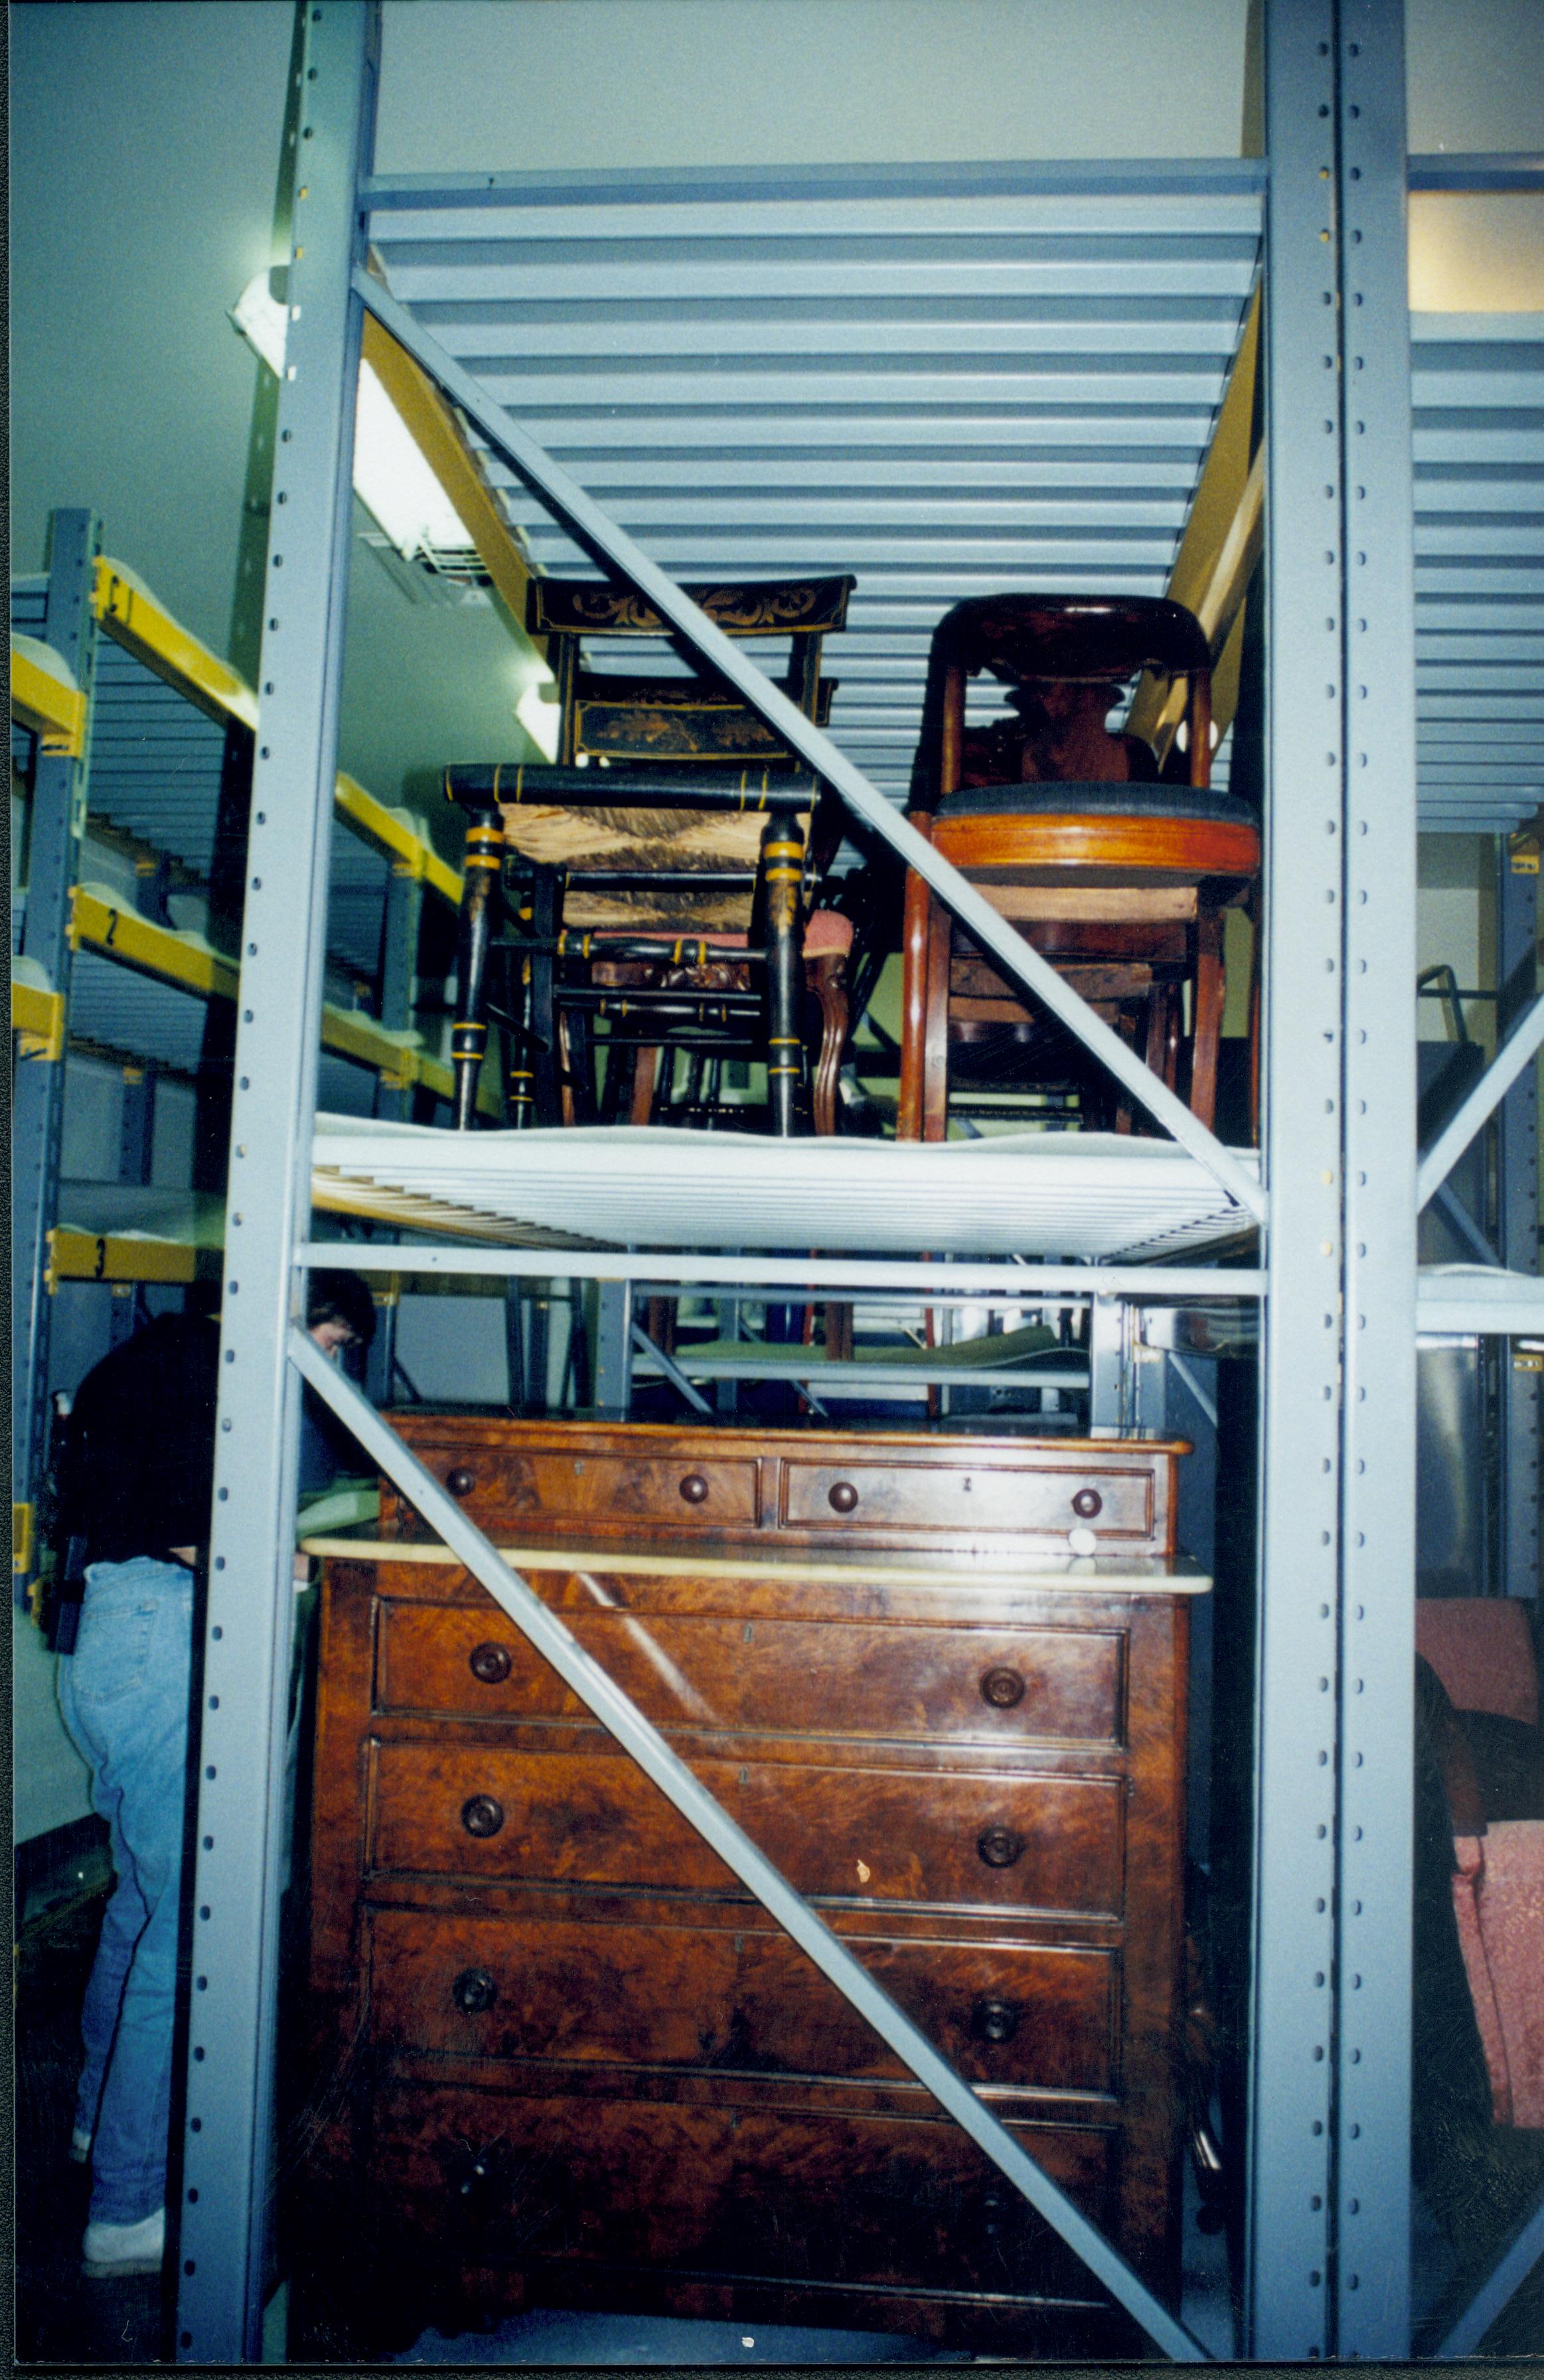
1221, 545
369, 1044
120, 1255
133, 618
145, 628
122, 934
399, 1065
408, 852
53, 709
38, 1021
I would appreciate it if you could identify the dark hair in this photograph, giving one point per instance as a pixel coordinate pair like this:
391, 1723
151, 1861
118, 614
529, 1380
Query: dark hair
341, 1297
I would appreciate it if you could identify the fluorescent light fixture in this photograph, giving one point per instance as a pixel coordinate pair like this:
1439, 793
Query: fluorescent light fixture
390, 475
537, 712
260, 319
393, 478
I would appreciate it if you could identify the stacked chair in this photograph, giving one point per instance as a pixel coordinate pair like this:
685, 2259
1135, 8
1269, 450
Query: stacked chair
1117, 873
663, 877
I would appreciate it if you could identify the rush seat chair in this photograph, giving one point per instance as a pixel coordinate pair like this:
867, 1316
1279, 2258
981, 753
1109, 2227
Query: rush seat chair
661, 878
1118, 875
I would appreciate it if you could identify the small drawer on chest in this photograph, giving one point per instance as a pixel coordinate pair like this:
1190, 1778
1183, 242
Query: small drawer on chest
508, 1489
1050, 1842
1117, 1505
1026, 2017
807, 1678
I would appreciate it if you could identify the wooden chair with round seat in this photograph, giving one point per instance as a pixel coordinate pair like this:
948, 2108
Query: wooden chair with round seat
1120, 876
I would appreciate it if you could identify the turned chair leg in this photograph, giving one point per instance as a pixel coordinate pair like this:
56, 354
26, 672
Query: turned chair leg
827, 979
781, 877
914, 1007
645, 1065
1207, 1015
483, 866
543, 1045
927, 935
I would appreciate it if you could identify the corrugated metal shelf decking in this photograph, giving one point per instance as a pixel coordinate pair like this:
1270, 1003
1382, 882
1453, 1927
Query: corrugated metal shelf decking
949, 391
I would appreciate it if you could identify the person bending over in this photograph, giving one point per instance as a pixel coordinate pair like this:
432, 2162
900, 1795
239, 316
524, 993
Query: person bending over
134, 1495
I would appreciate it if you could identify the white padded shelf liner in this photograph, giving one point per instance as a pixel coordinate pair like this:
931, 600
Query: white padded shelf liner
1053, 1195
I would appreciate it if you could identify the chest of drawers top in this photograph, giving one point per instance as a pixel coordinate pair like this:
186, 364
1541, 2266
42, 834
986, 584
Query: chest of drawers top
826, 1489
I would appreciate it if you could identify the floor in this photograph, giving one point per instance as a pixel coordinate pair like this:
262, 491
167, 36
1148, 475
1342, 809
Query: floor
64, 2320
61, 2318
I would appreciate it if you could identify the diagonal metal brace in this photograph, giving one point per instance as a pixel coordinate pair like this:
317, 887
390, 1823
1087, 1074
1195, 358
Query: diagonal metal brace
1522, 1043
639, 1738
1517, 2260
564, 493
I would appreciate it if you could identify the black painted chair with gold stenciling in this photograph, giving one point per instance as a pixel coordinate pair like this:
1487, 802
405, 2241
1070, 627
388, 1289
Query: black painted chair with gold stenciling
661, 879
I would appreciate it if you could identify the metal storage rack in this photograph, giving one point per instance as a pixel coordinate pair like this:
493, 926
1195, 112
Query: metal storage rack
138, 729
1327, 2254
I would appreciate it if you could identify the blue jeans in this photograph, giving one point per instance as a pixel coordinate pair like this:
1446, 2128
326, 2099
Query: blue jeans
124, 1695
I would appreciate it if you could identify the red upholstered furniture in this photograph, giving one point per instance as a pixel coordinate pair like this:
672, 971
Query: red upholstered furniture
1482, 1650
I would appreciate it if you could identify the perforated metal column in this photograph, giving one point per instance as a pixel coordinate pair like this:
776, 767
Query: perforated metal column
1370, 2261
1327, 2267
223, 2219
1517, 1228
1289, 2170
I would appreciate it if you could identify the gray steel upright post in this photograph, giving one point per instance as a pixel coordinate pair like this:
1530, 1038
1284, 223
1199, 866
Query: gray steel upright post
58, 822
227, 2178
1517, 1227
1291, 2016
1370, 2268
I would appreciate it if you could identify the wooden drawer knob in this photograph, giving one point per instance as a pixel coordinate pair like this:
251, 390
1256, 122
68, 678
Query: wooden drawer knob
490, 1664
477, 2177
461, 1482
994, 2022
1003, 1689
474, 1990
482, 1815
694, 1488
843, 1497
1088, 1503
999, 1846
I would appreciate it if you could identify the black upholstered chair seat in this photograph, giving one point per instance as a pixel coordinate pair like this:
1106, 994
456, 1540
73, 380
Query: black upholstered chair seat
1035, 800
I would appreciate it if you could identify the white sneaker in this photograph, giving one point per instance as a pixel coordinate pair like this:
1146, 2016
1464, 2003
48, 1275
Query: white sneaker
110, 2251
79, 2146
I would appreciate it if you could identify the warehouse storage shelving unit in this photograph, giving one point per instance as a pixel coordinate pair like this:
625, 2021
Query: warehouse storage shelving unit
132, 729
1327, 2252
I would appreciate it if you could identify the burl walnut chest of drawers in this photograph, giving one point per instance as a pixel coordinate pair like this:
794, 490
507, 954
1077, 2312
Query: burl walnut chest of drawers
561, 2057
